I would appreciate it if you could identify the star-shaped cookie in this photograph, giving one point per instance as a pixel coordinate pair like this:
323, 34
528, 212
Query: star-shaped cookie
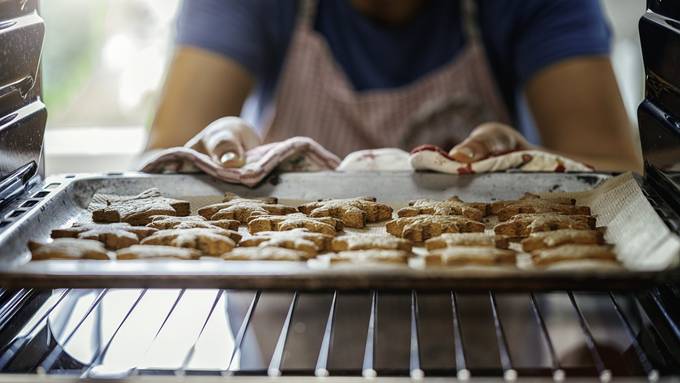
211, 242
68, 248
164, 222
114, 236
353, 212
137, 210
244, 209
522, 225
452, 206
423, 227
325, 225
295, 239
370, 242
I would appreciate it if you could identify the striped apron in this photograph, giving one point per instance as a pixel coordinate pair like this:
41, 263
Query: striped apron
315, 98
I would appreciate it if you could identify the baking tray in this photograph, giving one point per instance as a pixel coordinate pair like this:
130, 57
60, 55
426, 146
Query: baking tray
61, 200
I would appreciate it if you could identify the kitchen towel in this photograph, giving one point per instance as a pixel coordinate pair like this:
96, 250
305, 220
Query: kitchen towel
430, 157
301, 154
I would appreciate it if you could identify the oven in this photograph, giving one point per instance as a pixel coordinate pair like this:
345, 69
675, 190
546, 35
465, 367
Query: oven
175, 321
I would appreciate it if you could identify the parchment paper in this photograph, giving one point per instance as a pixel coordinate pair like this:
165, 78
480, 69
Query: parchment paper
642, 239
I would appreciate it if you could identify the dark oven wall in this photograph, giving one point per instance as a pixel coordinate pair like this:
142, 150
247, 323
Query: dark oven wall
22, 113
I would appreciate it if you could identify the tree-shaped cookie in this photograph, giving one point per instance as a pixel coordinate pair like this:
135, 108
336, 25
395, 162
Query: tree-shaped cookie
211, 242
522, 225
164, 222
423, 227
325, 225
353, 212
295, 239
452, 206
114, 236
137, 210
244, 209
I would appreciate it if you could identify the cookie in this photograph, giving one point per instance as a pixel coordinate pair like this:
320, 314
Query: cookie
548, 239
423, 227
296, 239
471, 255
452, 206
244, 209
353, 212
522, 225
533, 206
567, 253
370, 242
370, 256
265, 254
211, 242
497, 206
325, 225
467, 239
164, 222
114, 236
68, 248
137, 210
156, 252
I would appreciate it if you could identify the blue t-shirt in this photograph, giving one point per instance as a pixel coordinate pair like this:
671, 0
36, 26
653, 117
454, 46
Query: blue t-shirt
521, 37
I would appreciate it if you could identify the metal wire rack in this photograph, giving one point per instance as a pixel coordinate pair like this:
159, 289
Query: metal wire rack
118, 333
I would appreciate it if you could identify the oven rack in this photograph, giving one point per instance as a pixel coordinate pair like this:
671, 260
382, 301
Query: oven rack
646, 324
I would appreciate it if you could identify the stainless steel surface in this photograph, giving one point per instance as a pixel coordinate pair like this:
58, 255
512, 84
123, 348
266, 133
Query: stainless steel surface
193, 334
65, 199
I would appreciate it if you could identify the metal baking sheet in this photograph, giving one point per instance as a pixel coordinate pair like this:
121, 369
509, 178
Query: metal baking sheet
65, 200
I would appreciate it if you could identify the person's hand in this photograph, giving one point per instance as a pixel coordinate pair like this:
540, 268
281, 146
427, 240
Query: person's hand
486, 140
226, 140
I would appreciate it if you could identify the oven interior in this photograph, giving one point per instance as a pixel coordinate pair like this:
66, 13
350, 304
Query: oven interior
183, 333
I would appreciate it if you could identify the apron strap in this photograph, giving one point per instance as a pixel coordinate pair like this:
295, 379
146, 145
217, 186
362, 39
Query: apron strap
469, 18
306, 12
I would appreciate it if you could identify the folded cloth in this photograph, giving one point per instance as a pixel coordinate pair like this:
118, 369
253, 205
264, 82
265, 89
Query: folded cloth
430, 157
293, 154
385, 159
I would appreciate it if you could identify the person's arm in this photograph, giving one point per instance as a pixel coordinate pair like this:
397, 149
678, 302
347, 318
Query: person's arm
559, 58
578, 111
200, 87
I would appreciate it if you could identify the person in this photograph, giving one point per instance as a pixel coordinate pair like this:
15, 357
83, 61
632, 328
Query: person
473, 76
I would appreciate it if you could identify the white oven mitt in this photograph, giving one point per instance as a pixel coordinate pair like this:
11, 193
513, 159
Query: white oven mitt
430, 157
385, 159
301, 154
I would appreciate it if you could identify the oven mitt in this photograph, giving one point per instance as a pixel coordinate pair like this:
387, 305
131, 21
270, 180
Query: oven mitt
385, 159
299, 154
430, 157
